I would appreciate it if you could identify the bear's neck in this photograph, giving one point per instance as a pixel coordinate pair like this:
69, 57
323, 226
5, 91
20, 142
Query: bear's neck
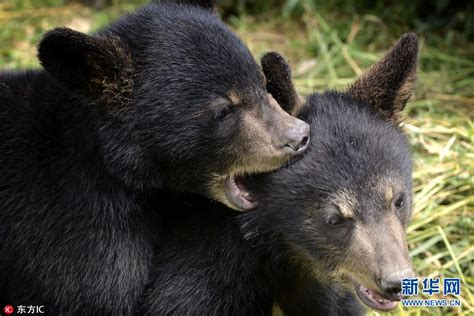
263, 267
285, 271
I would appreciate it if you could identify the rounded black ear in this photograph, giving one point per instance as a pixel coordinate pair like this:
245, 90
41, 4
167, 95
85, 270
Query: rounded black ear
279, 82
98, 67
389, 83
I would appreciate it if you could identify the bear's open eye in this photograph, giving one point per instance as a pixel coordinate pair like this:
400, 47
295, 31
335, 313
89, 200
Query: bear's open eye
224, 111
399, 202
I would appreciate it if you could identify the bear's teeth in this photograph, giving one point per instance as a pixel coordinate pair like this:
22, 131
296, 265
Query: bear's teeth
246, 194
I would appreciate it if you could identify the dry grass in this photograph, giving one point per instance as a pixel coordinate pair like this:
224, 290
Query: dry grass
439, 123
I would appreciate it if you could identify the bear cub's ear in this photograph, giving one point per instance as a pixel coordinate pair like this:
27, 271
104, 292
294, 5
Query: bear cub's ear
280, 85
93, 66
389, 83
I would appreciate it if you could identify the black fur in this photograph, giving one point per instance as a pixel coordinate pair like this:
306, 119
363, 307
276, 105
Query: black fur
222, 263
279, 82
208, 266
115, 116
389, 84
289, 252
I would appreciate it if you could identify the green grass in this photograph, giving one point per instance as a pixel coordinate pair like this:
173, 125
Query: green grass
328, 48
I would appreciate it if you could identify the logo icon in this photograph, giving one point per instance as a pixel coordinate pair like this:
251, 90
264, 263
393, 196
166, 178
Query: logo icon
8, 309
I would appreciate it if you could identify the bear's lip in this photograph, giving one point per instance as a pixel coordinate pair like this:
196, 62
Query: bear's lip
373, 299
237, 193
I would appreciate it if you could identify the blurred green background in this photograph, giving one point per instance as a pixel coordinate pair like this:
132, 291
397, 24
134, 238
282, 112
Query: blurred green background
328, 44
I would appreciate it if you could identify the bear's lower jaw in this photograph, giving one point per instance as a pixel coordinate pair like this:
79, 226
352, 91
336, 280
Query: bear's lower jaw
374, 300
237, 195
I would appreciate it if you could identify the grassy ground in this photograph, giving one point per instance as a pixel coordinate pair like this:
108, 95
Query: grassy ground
327, 49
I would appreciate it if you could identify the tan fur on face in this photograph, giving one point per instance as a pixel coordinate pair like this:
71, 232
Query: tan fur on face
233, 97
255, 151
379, 244
388, 194
376, 247
361, 257
388, 186
345, 201
258, 142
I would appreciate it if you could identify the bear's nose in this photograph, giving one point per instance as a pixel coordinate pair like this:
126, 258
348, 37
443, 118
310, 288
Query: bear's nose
391, 285
298, 137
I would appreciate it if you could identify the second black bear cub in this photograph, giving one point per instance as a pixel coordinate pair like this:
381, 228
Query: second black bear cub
329, 226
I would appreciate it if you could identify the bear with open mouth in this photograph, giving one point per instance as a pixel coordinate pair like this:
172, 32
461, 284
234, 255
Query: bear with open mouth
166, 97
329, 227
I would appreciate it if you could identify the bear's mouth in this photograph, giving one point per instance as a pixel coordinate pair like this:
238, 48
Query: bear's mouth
237, 193
374, 300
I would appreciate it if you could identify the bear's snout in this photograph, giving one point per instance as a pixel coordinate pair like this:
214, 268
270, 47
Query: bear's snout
297, 137
391, 284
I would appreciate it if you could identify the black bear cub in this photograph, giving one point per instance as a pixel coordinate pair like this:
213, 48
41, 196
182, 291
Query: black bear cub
329, 227
166, 97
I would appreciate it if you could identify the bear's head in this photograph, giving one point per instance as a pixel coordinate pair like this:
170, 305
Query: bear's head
180, 101
341, 209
